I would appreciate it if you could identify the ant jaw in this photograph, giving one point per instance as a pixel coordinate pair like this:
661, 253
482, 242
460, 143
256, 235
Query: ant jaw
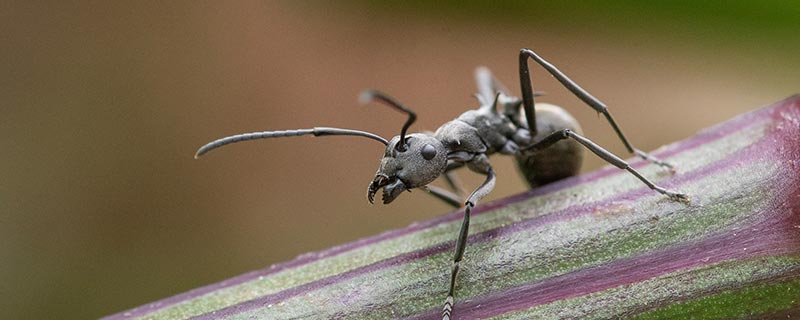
392, 187
380, 181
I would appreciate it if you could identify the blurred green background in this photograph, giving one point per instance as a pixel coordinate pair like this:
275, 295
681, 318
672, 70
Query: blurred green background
102, 207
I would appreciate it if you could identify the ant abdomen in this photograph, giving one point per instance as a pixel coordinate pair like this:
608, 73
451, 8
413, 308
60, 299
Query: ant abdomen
562, 159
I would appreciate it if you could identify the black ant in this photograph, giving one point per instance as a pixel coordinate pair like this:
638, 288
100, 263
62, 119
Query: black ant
544, 139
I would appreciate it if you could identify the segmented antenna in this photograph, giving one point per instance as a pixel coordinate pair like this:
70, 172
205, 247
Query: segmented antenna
318, 131
370, 95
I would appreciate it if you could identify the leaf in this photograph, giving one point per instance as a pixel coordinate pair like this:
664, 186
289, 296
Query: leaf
601, 245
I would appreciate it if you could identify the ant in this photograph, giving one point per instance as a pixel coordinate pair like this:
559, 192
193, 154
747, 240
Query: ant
544, 139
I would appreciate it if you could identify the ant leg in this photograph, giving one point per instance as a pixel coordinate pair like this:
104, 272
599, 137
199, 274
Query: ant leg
455, 197
527, 92
452, 198
452, 180
582, 94
489, 86
454, 183
444, 195
461, 243
605, 155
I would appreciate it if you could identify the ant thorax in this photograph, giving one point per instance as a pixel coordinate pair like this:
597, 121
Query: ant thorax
483, 130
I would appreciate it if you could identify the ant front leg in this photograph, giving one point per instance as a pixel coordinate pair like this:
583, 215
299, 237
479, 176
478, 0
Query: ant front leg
444, 195
455, 197
452, 180
594, 103
461, 243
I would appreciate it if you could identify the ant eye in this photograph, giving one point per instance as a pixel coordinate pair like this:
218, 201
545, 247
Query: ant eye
428, 152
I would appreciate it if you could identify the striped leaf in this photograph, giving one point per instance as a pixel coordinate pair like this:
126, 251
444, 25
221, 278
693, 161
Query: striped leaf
600, 246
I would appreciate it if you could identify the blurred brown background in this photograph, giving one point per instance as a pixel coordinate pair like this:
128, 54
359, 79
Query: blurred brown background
102, 207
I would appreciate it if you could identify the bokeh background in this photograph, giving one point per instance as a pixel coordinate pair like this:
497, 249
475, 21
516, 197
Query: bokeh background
102, 207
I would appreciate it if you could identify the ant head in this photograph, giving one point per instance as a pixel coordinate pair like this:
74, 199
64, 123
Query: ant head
416, 162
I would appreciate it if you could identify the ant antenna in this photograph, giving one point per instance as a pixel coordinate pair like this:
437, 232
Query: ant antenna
317, 131
369, 95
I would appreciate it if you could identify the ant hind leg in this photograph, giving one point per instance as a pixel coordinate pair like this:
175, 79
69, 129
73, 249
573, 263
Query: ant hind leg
582, 94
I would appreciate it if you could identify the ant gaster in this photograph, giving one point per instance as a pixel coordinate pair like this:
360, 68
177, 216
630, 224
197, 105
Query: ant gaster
544, 139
